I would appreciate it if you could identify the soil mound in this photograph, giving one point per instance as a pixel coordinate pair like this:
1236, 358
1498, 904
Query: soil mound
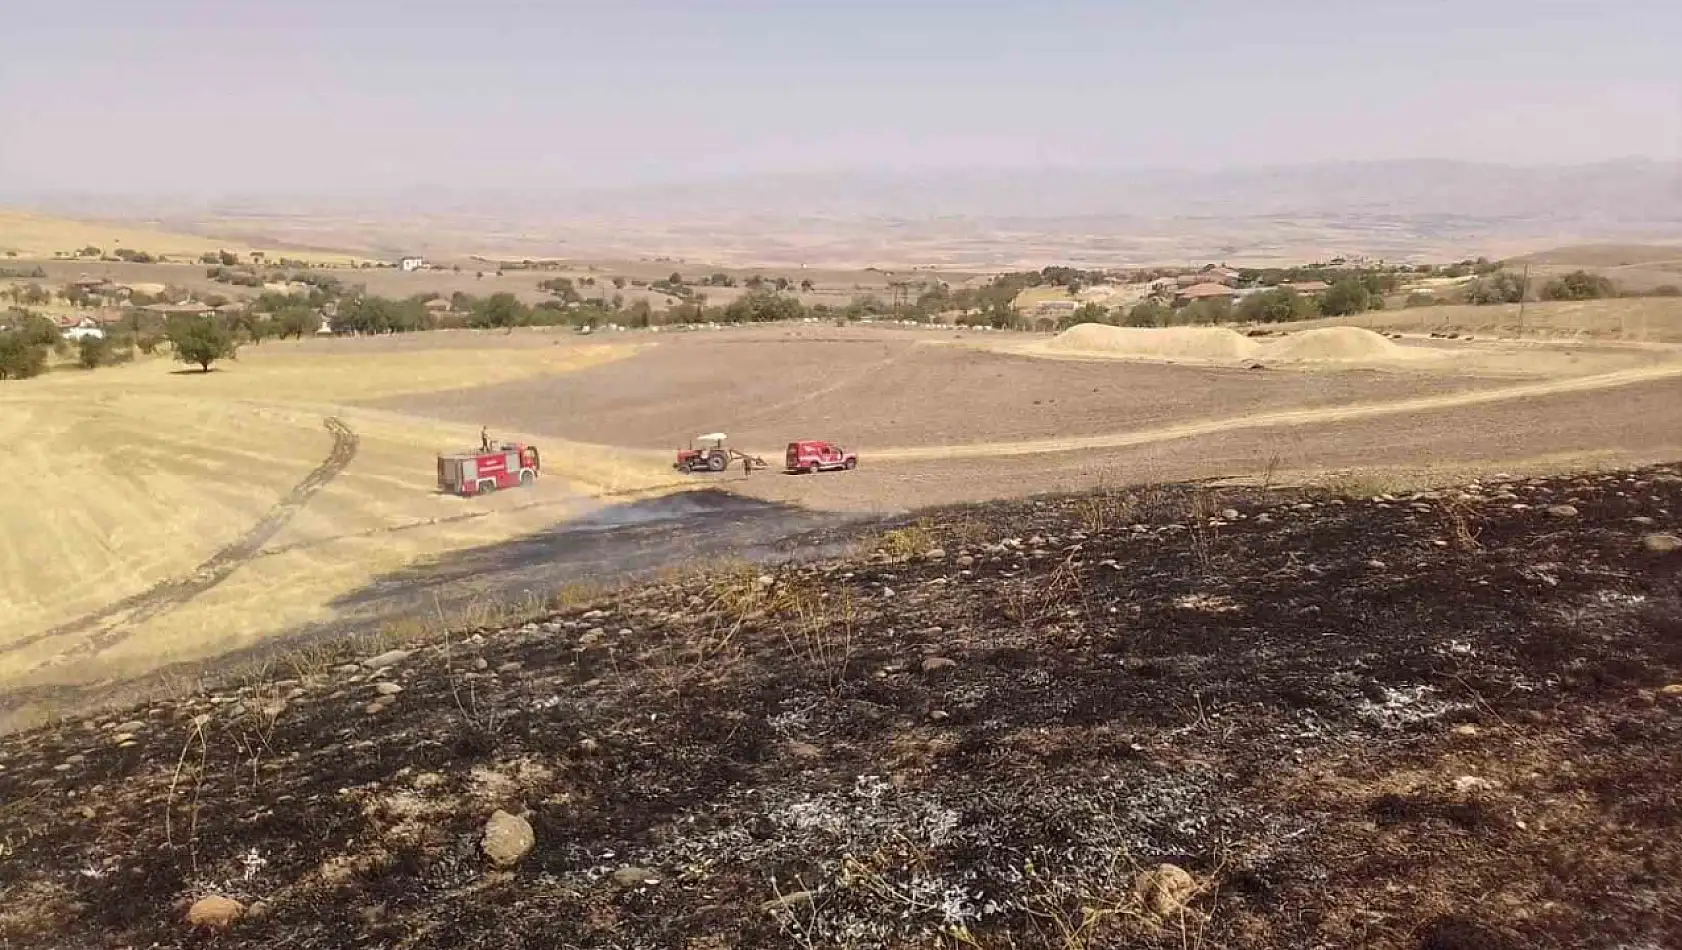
1333, 344
1184, 343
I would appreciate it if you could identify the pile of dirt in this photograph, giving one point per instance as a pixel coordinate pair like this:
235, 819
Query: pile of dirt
1333, 344
1267, 720
1173, 343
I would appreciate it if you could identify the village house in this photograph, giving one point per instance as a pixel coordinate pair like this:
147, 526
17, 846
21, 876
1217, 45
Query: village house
411, 264
1050, 308
78, 328
1214, 275
1204, 291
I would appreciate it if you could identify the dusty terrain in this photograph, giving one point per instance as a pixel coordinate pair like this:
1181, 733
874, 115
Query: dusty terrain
1158, 719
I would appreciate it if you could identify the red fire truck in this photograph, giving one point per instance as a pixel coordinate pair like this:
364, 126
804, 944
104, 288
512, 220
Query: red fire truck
494, 466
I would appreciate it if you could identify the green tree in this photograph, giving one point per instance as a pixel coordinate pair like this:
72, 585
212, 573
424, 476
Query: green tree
1578, 285
1501, 287
1344, 298
618, 283
1149, 313
1209, 310
1279, 305
227, 259
91, 251
200, 341
676, 280
295, 320
1667, 290
562, 288
93, 352
640, 313
501, 310
20, 358
806, 286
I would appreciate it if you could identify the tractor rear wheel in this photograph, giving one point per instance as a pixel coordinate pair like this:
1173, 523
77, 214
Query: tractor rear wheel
717, 462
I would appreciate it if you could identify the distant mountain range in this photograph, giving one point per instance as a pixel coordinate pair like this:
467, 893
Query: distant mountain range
978, 217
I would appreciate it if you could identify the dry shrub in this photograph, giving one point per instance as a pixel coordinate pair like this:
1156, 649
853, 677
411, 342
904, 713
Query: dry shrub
913, 540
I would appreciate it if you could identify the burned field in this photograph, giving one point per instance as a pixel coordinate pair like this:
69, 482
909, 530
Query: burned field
1158, 718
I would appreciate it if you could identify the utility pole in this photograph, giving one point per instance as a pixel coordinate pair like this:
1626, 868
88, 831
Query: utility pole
1523, 292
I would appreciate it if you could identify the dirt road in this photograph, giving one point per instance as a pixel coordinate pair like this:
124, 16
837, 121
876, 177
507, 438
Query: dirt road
1287, 418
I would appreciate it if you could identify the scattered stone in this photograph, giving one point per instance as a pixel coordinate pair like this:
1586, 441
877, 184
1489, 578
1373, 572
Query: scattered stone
939, 715
133, 725
387, 689
387, 659
510, 667
1643, 521
1562, 511
215, 913
378, 706
122, 738
1662, 543
934, 664
1164, 890
258, 910
936, 554
1466, 784
1466, 731
1231, 514
964, 560
1674, 690
588, 746
507, 838
347, 669
1377, 565
635, 877
480, 663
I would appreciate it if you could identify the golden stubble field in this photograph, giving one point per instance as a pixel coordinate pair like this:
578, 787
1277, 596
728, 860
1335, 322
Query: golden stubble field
156, 516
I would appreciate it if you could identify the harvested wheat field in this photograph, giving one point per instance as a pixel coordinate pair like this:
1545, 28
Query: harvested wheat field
1160, 719
170, 516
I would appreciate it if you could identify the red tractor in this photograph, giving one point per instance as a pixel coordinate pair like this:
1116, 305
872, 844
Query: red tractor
814, 457
714, 458
493, 466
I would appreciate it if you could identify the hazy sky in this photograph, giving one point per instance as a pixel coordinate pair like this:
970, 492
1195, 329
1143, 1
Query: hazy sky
212, 95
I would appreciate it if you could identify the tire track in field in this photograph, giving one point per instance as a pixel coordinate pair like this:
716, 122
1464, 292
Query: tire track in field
111, 624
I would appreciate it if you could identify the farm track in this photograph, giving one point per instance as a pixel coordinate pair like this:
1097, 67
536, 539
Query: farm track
110, 625
1284, 419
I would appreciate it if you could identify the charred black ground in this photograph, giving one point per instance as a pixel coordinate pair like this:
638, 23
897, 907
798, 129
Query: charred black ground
1442, 721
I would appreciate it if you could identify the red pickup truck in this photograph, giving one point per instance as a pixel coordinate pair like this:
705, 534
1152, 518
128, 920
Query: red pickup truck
814, 457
